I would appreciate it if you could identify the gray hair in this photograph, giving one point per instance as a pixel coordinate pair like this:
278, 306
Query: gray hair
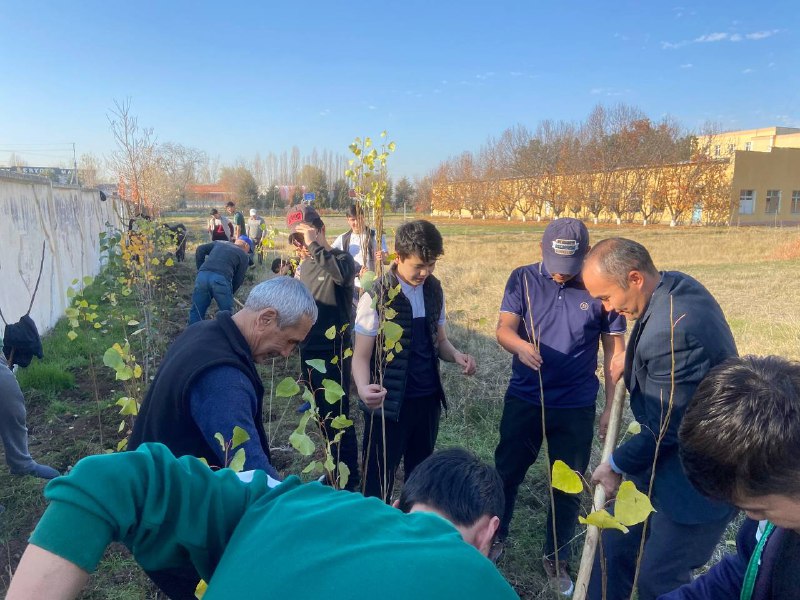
617, 257
288, 296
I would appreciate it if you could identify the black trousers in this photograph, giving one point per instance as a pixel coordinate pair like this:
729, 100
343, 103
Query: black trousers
348, 446
672, 551
411, 439
569, 437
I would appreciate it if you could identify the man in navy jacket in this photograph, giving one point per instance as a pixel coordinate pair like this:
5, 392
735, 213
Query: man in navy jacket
680, 334
740, 442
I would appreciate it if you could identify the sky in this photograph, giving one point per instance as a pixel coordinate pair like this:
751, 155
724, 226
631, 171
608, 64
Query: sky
238, 78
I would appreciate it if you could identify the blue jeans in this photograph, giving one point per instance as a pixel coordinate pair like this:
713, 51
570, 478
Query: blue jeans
209, 285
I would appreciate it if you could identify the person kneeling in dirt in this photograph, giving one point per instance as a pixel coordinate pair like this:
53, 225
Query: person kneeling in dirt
739, 443
260, 539
13, 429
221, 267
207, 384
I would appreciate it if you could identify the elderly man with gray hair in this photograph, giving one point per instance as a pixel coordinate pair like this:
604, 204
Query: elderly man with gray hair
207, 384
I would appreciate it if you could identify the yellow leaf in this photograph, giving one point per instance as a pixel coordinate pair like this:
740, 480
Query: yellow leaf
602, 520
565, 479
72, 335
200, 590
169, 262
634, 428
632, 506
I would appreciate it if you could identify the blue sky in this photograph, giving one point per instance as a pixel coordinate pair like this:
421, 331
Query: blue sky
238, 78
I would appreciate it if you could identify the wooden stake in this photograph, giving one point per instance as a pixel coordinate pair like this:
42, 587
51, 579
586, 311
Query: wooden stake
592, 532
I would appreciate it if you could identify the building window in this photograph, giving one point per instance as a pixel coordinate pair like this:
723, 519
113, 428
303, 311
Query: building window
731, 148
747, 198
773, 206
717, 150
748, 146
796, 201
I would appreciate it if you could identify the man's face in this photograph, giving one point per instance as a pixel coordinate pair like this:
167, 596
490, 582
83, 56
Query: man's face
630, 302
782, 510
561, 278
413, 269
271, 341
353, 222
230, 209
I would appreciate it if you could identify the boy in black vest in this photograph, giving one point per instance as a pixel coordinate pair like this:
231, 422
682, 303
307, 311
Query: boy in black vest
402, 394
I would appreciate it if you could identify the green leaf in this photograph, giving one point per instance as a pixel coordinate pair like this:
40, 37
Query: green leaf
133, 322
398, 347
123, 443
348, 352
287, 388
71, 312
341, 422
302, 443
112, 359
220, 440
309, 397
390, 357
240, 436
368, 280
393, 292
121, 426
632, 506
392, 332
88, 280
129, 406
124, 373
333, 391
70, 293
565, 479
344, 475
311, 467
390, 313
344, 327
317, 364
634, 428
330, 332
335, 360
237, 462
602, 520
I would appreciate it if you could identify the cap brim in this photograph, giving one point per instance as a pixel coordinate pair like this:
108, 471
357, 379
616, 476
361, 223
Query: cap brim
564, 265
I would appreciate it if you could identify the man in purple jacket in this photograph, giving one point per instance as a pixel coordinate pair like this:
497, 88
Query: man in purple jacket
740, 443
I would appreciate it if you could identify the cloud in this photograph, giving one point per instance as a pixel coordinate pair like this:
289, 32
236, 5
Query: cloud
747, 71
372, 107
602, 91
760, 35
687, 66
515, 73
711, 37
720, 36
325, 112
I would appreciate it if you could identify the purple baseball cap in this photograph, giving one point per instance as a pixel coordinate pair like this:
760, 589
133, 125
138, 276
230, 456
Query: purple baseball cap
564, 245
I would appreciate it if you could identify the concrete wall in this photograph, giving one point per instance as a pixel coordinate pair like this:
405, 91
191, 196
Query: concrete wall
763, 171
69, 220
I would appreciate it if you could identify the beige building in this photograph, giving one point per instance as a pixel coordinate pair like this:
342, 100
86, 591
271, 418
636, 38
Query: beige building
764, 173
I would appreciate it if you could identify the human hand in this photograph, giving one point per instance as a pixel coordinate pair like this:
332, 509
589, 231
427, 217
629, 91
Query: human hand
602, 428
310, 234
529, 356
372, 395
362, 271
604, 475
466, 361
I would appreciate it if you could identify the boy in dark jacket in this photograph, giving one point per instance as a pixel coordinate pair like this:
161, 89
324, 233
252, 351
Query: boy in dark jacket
740, 443
400, 388
328, 274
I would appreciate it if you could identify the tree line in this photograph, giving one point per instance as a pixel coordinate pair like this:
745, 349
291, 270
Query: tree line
618, 165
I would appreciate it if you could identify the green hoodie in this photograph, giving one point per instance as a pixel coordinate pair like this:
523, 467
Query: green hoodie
251, 541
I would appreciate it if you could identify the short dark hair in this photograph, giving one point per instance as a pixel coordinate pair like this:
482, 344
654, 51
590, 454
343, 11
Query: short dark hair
231, 203
617, 257
741, 432
214, 211
352, 211
420, 238
456, 483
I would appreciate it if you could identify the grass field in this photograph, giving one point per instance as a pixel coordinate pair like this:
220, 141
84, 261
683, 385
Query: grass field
757, 291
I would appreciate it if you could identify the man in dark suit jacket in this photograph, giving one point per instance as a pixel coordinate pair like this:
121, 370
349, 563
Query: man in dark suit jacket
680, 334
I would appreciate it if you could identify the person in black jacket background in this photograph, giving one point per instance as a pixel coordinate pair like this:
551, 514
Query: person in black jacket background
328, 274
221, 267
